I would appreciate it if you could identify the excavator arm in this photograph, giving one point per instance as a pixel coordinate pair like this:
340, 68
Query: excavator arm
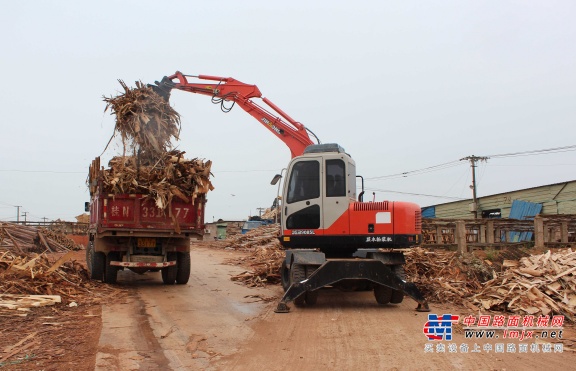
226, 89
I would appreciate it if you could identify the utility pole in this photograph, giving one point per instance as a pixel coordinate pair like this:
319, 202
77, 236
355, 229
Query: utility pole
44, 220
473, 160
17, 213
260, 209
24, 214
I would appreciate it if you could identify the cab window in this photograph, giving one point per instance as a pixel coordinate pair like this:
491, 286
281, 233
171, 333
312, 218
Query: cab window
335, 178
304, 181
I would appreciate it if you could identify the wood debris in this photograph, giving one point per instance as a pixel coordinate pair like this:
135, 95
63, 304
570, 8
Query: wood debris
266, 258
169, 176
29, 277
146, 122
23, 238
445, 276
148, 165
542, 284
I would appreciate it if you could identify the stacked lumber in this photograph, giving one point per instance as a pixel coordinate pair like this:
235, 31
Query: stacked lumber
22, 238
147, 125
536, 285
29, 280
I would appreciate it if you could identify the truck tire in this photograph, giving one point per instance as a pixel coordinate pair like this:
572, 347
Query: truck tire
111, 271
89, 256
311, 297
169, 273
98, 265
298, 274
398, 295
183, 268
383, 294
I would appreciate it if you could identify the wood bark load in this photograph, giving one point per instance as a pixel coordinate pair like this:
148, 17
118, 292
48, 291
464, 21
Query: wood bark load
147, 125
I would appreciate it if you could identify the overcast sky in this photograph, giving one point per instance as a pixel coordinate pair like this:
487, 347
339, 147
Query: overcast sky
401, 85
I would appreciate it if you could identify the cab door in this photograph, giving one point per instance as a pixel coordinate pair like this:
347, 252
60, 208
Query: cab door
303, 197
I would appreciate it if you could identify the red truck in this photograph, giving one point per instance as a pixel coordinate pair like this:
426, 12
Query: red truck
129, 231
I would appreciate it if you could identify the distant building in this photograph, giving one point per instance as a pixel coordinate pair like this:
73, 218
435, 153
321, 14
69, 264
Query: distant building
222, 229
558, 198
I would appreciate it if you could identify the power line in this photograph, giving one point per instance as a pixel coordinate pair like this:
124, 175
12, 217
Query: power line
428, 169
536, 152
450, 164
415, 194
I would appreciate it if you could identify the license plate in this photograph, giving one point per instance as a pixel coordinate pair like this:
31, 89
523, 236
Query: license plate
146, 242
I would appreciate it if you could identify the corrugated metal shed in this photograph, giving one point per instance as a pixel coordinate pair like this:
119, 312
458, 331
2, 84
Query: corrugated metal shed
523, 210
558, 198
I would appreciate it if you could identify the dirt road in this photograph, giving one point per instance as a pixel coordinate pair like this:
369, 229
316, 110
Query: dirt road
213, 323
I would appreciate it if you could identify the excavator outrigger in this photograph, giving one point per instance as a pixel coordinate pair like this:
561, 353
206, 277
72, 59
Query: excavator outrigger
330, 235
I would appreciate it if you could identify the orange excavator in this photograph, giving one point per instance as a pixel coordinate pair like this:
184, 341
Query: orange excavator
332, 238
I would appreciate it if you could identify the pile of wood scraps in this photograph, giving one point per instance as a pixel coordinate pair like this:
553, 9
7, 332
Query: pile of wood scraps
445, 276
24, 238
148, 165
31, 280
146, 122
265, 259
536, 285
169, 176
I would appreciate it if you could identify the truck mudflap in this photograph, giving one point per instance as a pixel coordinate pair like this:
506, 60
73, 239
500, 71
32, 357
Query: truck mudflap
333, 271
142, 264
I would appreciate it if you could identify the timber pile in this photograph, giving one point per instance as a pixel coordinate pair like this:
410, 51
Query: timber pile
536, 285
22, 238
265, 259
23, 277
147, 125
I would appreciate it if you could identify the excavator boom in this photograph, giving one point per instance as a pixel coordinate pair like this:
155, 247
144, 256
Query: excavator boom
226, 89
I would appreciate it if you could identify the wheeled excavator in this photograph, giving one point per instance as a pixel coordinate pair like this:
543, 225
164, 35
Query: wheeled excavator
331, 236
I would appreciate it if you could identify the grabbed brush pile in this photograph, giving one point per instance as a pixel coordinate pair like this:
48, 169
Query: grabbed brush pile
147, 125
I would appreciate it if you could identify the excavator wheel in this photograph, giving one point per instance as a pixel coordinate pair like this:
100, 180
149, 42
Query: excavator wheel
285, 277
398, 295
383, 294
298, 274
311, 297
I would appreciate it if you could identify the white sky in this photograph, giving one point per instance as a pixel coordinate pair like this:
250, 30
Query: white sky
401, 85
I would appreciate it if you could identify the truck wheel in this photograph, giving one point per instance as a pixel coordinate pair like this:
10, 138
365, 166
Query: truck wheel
383, 294
311, 297
98, 265
298, 274
89, 256
111, 271
183, 268
398, 295
169, 273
